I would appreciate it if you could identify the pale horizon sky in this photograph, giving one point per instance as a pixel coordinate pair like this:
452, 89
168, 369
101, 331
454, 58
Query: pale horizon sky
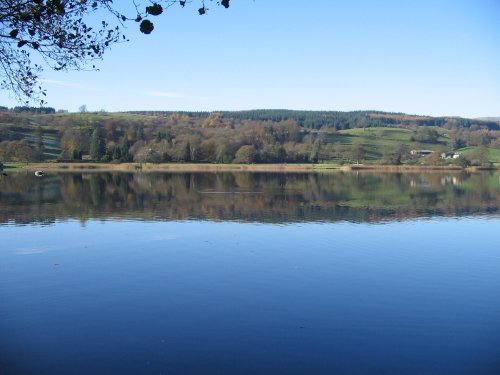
439, 58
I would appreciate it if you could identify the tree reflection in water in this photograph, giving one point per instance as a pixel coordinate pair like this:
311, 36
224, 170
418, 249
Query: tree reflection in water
259, 197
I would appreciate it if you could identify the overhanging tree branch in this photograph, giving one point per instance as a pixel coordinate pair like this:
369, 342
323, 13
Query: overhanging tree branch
65, 35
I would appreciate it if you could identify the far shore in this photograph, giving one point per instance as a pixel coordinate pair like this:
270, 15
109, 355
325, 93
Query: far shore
200, 167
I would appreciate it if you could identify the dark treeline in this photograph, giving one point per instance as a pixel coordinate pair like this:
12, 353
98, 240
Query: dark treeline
341, 120
34, 110
259, 197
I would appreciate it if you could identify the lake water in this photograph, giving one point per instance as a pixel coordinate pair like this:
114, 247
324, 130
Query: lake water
239, 273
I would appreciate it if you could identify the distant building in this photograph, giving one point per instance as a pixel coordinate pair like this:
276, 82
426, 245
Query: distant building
421, 152
450, 155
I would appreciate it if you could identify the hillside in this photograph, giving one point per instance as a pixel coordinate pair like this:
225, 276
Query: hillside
259, 136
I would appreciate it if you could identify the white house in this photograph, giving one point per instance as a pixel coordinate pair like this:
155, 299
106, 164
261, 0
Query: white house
450, 155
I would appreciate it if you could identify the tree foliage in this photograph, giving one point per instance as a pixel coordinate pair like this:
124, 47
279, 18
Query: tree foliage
19, 151
97, 145
64, 35
245, 155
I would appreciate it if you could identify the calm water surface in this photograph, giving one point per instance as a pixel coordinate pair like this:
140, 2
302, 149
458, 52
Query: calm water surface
250, 274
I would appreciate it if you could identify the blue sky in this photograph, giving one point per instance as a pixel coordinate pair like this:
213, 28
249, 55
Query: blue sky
426, 57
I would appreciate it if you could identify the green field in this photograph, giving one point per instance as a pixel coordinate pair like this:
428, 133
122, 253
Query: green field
492, 154
377, 142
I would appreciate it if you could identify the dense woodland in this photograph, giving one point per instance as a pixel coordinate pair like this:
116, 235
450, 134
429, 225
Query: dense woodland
259, 136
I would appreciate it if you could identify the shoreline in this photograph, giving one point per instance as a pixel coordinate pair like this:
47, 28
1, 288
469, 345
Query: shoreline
176, 167
199, 167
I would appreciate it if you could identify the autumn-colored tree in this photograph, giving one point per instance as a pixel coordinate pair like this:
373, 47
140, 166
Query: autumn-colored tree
245, 155
17, 151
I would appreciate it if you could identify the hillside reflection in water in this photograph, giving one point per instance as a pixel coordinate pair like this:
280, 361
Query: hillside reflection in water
256, 197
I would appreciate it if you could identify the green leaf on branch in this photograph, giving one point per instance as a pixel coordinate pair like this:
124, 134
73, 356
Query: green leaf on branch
225, 3
202, 11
